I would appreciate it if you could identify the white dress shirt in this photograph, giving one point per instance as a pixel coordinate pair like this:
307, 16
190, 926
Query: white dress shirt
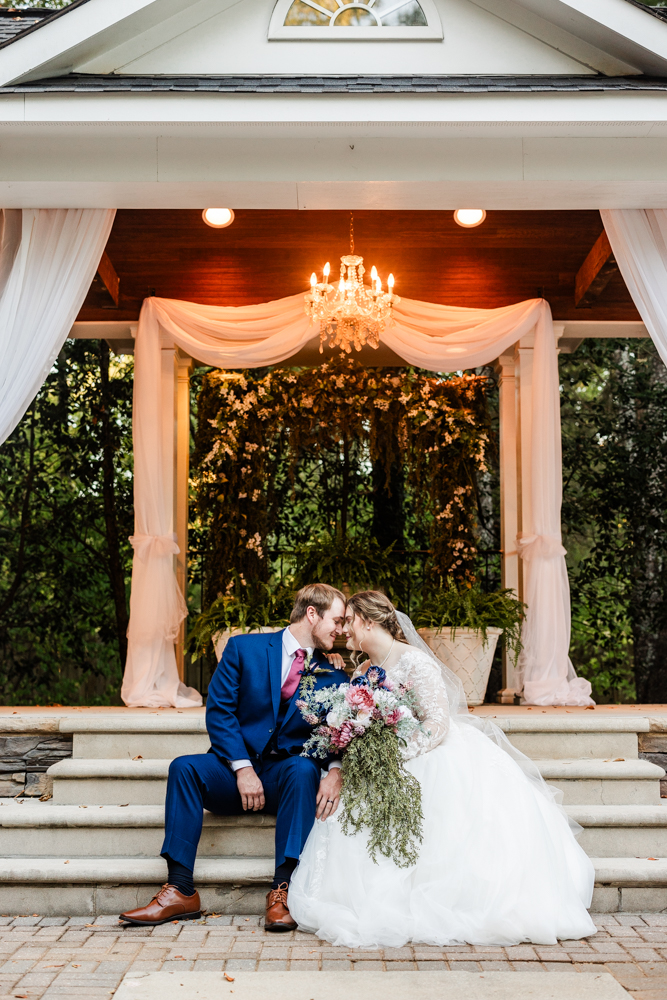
289, 648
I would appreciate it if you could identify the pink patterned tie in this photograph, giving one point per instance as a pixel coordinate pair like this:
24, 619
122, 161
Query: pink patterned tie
294, 675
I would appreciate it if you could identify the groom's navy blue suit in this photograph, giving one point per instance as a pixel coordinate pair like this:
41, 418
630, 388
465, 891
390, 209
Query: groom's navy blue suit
246, 719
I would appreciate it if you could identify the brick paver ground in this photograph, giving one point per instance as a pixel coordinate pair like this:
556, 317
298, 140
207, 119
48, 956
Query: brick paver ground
59, 957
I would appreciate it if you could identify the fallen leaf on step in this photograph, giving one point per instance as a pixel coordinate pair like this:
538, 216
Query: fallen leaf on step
230, 979
83, 807
66, 862
590, 708
616, 759
21, 996
653, 859
75, 966
123, 804
138, 757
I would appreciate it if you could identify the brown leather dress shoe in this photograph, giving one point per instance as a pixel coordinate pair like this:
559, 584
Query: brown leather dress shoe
167, 904
278, 917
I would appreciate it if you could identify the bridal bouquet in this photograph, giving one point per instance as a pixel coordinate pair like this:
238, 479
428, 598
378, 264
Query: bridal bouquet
369, 720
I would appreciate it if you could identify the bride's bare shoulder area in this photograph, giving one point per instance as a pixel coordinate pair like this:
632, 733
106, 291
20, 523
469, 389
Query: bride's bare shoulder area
407, 648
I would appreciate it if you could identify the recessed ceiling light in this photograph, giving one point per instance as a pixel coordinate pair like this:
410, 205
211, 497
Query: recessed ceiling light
218, 218
469, 217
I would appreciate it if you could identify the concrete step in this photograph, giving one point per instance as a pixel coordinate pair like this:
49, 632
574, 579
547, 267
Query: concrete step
90, 886
622, 831
160, 736
42, 830
596, 782
573, 736
126, 736
110, 781
136, 831
115, 781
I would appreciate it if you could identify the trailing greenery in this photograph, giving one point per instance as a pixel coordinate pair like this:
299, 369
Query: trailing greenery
291, 455
249, 608
381, 798
469, 607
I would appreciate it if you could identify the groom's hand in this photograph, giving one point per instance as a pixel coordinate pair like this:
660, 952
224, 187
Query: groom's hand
250, 789
328, 794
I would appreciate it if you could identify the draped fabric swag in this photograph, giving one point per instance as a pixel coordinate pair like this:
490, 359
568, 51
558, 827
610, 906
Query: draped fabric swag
48, 259
435, 337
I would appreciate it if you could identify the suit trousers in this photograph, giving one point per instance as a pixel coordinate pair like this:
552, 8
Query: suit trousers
202, 781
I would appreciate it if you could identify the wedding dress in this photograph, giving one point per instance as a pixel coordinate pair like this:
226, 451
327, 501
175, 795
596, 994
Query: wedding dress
498, 864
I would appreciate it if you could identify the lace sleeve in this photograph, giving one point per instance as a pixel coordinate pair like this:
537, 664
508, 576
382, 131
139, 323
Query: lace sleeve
431, 695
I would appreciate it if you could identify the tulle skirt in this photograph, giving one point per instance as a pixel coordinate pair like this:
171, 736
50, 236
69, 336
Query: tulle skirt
498, 864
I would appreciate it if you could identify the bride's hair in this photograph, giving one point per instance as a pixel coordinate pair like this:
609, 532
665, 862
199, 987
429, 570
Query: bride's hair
375, 607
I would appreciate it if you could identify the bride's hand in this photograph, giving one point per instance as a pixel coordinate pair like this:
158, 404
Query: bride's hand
336, 660
328, 794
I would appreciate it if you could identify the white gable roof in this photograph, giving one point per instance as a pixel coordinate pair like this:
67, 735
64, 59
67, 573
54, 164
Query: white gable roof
220, 37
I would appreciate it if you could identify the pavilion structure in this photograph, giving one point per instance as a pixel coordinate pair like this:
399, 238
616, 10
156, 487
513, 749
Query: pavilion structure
293, 113
563, 256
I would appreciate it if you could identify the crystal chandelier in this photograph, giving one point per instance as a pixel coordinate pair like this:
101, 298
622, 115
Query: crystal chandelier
350, 314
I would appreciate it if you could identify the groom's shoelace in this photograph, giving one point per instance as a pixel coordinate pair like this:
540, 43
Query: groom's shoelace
279, 895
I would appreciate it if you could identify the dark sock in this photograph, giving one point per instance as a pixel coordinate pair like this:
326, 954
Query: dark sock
180, 877
284, 872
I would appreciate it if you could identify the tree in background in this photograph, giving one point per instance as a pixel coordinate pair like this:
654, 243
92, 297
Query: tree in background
65, 518
614, 418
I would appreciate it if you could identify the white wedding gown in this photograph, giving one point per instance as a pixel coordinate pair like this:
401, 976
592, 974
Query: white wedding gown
498, 864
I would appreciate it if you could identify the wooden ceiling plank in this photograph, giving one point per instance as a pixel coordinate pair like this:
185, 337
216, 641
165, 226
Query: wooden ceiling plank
595, 273
107, 273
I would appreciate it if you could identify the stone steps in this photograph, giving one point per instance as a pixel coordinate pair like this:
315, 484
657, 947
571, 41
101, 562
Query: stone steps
136, 831
106, 815
81, 886
115, 781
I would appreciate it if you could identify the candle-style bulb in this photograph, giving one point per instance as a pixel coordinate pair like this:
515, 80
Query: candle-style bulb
327, 269
313, 280
374, 273
390, 282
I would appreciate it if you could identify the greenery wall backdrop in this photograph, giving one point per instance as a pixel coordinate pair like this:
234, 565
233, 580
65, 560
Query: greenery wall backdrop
66, 514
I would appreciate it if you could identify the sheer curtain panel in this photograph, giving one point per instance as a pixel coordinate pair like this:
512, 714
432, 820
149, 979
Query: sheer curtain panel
48, 258
439, 338
638, 237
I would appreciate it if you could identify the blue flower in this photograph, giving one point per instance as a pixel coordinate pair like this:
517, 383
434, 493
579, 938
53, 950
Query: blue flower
376, 675
359, 681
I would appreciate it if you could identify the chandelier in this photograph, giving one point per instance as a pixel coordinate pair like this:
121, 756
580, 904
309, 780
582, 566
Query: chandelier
352, 313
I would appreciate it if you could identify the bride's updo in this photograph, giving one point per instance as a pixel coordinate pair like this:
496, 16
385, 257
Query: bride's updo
375, 607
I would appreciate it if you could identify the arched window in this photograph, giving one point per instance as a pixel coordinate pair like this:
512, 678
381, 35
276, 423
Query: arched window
341, 20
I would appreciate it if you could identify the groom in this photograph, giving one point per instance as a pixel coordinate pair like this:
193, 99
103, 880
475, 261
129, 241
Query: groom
257, 734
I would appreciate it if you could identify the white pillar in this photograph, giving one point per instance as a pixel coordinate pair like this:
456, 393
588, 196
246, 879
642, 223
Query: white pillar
509, 563
182, 487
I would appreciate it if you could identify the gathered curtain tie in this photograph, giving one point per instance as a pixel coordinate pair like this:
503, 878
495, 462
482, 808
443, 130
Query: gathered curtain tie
153, 546
540, 547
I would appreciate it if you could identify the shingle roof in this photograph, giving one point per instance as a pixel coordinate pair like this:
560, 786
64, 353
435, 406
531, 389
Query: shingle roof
84, 83
14, 22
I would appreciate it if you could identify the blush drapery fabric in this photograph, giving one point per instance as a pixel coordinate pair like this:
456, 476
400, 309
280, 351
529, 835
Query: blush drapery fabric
638, 237
48, 258
435, 337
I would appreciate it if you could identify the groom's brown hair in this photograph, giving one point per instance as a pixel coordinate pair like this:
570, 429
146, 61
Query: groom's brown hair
314, 595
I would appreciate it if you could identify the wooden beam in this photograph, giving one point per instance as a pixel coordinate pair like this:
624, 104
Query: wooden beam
107, 273
595, 273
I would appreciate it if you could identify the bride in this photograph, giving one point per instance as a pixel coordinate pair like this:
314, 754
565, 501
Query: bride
498, 863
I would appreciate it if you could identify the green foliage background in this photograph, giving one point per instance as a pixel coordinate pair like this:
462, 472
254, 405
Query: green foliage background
65, 517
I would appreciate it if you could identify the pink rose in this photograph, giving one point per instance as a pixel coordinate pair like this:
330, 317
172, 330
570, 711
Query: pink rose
359, 697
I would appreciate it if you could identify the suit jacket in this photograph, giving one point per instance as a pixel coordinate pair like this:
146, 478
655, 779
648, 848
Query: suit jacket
244, 699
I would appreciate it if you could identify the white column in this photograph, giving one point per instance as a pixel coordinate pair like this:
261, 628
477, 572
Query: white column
182, 487
169, 424
509, 563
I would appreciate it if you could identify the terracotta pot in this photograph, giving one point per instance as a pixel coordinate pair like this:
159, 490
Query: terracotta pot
466, 655
220, 639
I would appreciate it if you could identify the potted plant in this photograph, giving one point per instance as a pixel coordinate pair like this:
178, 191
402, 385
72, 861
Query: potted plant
462, 626
257, 609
